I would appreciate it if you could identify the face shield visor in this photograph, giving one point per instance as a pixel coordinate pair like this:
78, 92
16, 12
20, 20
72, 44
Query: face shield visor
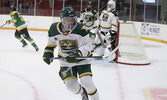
69, 23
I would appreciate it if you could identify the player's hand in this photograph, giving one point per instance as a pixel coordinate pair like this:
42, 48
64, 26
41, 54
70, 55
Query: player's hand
8, 21
48, 54
81, 22
71, 57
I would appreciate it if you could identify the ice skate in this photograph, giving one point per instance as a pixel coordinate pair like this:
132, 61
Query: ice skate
36, 48
24, 45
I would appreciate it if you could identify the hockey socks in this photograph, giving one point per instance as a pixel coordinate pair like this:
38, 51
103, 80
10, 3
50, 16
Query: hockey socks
24, 43
33, 43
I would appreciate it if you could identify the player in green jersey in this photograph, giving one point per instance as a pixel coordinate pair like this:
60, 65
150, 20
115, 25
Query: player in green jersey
21, 32
72, 40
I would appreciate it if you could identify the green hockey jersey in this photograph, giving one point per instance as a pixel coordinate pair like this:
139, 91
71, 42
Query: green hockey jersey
17, 20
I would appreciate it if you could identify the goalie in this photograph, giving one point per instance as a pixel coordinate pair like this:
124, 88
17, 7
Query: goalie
108, 30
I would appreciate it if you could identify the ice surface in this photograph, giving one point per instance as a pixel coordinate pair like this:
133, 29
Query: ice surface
24, 76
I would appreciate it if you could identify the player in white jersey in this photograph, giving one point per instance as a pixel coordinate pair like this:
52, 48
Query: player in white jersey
108, 30
88, 16
72, 40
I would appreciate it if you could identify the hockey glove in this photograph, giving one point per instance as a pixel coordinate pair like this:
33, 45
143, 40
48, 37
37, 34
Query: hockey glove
48, 54
81, 22
9, 21
71, 57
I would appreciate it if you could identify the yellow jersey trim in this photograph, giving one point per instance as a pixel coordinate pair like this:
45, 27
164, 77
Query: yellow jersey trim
47, 50
93, 92
12, 13
114, 25
89, 25
106, 27
79, 89
58, 25
22, 28
86, 73
69, 78
51, 45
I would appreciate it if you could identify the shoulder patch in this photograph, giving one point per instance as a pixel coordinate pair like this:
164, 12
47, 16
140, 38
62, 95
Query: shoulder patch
80, 30
12, 13
83, 10
84, 28
53, 29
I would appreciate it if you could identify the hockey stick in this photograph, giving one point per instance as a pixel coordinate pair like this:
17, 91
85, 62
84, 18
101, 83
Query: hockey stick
102, 57
3, 25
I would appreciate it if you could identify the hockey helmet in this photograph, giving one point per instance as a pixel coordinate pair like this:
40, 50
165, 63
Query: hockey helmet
68, 18
89, 5
110, 5
13, 7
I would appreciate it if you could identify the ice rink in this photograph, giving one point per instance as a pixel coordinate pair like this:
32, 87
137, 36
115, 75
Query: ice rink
24, 75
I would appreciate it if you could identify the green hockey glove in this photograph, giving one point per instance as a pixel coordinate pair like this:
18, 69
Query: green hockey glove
48, 54
71, 58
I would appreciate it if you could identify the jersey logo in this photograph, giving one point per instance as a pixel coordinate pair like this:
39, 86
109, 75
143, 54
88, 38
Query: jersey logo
65, 33
105, 17
68, 45
88, 18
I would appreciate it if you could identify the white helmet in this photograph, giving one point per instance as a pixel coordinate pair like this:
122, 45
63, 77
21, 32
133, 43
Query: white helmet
110, 5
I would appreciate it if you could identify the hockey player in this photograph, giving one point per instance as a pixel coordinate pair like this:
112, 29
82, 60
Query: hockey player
72, 40
108, 30
21, 32
88, 16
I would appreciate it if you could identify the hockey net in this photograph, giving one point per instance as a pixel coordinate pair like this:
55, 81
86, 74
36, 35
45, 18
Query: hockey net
131, 50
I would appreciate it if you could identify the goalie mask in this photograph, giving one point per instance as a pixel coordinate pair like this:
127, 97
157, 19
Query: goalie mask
68, 18
110, 5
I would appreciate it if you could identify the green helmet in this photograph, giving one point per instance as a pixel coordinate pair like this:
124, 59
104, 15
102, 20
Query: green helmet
89, 3
68, 13
13, 7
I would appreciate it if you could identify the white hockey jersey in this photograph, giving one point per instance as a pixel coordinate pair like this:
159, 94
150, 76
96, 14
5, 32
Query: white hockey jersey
88, 18
108, 21
78, 39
